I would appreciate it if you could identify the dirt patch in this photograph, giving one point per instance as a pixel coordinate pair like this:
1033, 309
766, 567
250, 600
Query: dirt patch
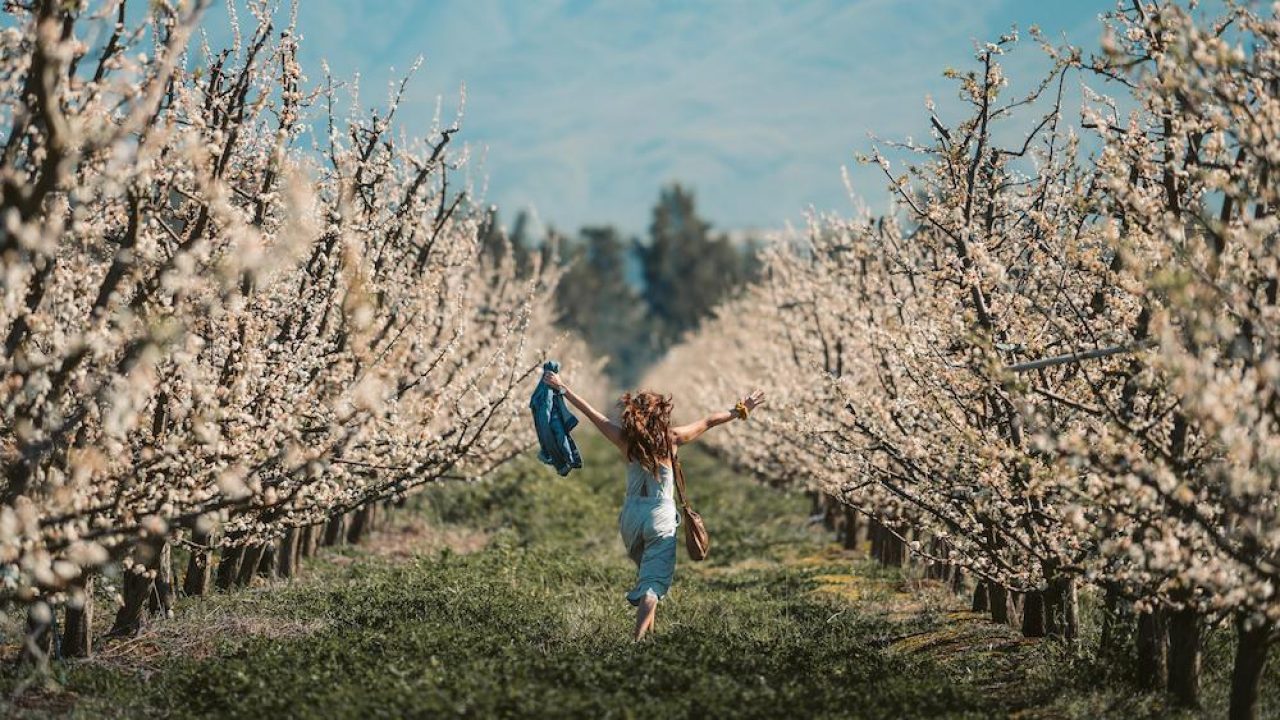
952, 634
410, 536
198, 628
732, 568
44, 700
197, 633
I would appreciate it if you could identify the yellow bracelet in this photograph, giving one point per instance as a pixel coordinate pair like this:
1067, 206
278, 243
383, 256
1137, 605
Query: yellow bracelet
741, 409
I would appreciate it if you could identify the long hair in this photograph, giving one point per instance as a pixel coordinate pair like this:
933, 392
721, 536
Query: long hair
646, 426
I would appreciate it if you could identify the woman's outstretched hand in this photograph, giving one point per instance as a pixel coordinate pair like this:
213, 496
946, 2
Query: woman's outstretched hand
754, 400
553, 379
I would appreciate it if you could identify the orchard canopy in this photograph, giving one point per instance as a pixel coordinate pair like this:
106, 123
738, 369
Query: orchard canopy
241, 317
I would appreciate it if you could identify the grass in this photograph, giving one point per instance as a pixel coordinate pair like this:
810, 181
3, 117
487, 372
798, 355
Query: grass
505, 599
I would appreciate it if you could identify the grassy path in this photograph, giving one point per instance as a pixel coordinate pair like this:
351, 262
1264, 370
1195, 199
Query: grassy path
506, 599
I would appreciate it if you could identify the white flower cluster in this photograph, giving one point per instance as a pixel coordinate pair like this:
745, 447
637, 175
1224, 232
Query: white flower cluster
207, 331
1062, 366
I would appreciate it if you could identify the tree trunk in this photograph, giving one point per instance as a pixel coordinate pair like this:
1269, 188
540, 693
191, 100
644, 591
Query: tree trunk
1052, 609
139, 584
40, 638
895, 549
136, 591
333, 531
908, 557
1246, 675
317, 534
267, 565
1117, 627
295, 552
1153, 650
287, 565
1066, 609
360, 521
229, 567
936, 569
77, 633
1033, 615
980, 600
957, 580
307, 542
875, 531
196, 582
161, 600
850, 528
249, 564
998, 600
1184, 657
829, 512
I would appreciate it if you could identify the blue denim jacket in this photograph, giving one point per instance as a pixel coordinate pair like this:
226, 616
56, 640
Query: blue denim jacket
553, 421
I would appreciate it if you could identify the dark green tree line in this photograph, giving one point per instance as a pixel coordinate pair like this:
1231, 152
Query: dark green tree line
631, 299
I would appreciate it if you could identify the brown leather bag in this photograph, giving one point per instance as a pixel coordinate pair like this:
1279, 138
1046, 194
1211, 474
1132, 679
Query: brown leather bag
696, 539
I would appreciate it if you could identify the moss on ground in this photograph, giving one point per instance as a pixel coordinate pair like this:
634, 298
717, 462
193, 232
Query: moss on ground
505, 599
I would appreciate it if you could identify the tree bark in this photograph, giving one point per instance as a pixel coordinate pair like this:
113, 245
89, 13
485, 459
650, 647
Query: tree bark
249, 564
287, 565
980, 600
136, 591
196, 582
333, 531
1246, 674
1184, 657
829, 512
1153, 650
1033, 615
162, 595
850, 528
307, 542
361, 519
267, 565
935, 569
229, 567
1117, 627
139, 584
894, 548
1066, 609
313, 543
998, 600
77, 633
876, 533
40, 638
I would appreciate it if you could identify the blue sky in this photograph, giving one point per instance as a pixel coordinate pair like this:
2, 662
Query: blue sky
582, 110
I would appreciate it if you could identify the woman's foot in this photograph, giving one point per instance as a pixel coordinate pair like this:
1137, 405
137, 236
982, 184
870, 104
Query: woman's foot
646, 611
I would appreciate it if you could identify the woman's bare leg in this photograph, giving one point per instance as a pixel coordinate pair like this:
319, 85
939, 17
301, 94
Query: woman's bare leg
645, 613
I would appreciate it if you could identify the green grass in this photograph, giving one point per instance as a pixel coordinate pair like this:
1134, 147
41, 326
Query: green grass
536, 625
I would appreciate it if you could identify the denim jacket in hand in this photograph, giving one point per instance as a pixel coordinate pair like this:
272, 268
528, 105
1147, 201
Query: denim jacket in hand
553, 422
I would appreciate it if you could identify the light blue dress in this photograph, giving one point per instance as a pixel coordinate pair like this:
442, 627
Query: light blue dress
648, 522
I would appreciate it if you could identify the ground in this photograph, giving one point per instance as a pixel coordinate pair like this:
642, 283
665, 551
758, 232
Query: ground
506, 598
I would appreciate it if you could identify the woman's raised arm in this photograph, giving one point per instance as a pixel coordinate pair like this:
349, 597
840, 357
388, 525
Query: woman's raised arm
607, 427
688, 433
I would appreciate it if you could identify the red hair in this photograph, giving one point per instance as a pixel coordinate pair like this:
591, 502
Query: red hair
646, 427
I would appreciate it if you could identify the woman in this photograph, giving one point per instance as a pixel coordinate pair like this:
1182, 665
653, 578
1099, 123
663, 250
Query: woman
649, 515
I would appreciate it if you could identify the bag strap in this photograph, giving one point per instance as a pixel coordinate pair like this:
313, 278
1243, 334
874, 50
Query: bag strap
678, 472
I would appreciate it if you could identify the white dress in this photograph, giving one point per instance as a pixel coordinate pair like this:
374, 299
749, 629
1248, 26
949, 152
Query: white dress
648, 523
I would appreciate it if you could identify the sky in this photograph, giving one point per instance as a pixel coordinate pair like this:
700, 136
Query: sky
580, 111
